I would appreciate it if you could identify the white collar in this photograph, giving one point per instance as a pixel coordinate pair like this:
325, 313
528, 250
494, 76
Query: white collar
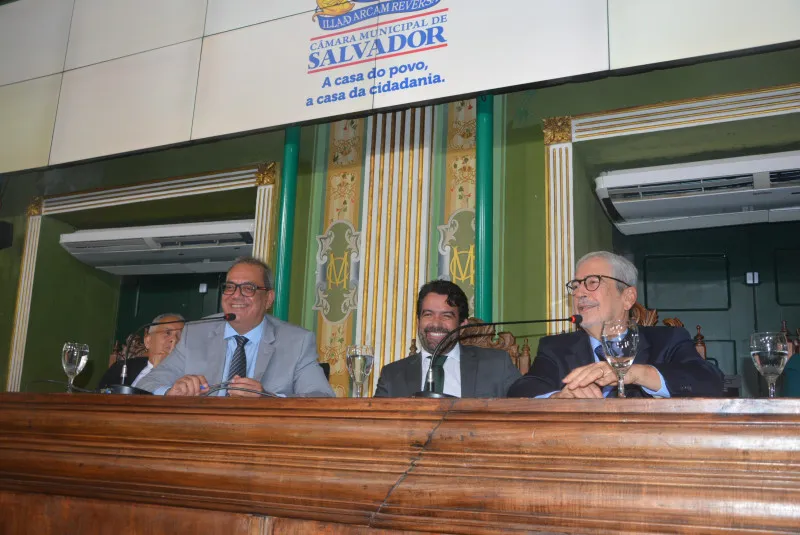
454, 353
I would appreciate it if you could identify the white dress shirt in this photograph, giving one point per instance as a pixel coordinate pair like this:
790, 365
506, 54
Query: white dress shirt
147, 369
452, 371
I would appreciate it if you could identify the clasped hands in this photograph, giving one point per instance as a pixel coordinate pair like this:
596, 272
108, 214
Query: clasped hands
588, 381
196, 385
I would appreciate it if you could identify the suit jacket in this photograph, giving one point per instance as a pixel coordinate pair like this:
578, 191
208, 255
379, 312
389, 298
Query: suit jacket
286, 362
112, 375
485, 373
668, 349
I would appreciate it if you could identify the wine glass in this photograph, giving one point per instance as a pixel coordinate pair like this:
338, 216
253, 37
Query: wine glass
770, 352
74, 357
620, 340
359, 365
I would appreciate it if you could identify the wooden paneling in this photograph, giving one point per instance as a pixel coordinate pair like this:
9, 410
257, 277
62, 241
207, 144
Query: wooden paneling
58, 515
443, 466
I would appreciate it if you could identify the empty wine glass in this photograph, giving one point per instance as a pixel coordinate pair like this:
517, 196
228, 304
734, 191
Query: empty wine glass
770, 352
74, 357
620, 340
359, 364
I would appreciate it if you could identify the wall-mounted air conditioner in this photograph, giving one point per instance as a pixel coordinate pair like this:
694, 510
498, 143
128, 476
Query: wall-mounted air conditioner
714, 193
207, 247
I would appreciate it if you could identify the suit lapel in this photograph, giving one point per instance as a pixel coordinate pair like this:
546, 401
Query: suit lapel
266, 349
413, 374
582, 350
217, 346
643, 351
469, 371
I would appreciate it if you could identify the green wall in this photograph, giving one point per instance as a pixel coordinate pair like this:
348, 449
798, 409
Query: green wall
524, 263
70, 302
592, 229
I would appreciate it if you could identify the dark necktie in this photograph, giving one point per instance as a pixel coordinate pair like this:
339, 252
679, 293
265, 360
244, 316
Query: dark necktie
239, 360
610, 390
438, 373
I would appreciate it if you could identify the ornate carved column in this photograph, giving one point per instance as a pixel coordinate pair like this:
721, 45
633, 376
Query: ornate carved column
560, 234
19, 334
264, 232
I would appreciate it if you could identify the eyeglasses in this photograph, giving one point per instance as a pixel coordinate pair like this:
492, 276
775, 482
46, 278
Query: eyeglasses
591, 283
247, 289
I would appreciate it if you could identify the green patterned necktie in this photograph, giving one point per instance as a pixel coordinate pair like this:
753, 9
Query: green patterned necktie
438, 373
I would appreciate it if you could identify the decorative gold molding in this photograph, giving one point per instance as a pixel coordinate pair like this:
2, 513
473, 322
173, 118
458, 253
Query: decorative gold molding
557, 130
35, 207
687, 113
267, 174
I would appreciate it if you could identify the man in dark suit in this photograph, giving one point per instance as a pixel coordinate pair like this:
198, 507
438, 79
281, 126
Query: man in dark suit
159, 340
570, 365
466, 371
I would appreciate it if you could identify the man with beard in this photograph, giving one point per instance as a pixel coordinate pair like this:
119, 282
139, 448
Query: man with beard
571, 365
467, 371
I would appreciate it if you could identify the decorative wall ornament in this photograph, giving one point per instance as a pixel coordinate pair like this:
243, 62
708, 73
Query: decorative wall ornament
267, 174
557, 130
338, 258
463, 126
457, 248
35, 206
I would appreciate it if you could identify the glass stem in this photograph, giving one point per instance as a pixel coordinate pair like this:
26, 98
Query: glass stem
357, 387
70, 380
621, 387
771, 384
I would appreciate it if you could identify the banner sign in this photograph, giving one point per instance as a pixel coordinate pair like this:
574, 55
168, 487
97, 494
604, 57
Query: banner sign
331, 53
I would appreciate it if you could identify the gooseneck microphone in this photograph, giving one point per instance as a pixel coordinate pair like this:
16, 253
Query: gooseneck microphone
451, 336
122, 388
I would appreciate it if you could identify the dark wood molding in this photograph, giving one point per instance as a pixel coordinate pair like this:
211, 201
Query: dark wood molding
443, 466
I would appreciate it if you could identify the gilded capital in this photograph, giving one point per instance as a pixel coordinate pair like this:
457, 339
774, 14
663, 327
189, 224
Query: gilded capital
35, 207
267, 173
557, 130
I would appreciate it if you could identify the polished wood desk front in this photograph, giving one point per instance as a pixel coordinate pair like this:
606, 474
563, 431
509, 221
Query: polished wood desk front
112, 464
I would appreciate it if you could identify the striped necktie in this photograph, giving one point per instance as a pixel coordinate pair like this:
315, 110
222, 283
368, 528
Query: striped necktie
239, 360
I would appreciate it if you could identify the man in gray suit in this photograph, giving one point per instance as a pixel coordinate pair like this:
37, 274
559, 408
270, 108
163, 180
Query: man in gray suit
253, 352
469, 372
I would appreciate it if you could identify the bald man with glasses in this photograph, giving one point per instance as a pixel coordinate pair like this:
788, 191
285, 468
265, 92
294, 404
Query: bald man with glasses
252, 354
571, 365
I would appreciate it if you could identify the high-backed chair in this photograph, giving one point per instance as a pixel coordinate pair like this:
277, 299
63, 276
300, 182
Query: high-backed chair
485, 336
133, 344
649, 317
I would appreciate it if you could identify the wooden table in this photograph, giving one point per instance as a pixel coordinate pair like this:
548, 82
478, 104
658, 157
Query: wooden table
112, 464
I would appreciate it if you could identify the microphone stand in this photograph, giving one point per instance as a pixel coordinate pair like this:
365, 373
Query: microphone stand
428, 391
131, 390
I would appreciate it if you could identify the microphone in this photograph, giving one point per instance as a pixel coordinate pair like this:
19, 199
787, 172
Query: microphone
122, 388
429, 390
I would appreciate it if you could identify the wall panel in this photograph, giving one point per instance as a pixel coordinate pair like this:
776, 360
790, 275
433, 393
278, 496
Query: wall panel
27, 116
127, 104
33, 38
225, 15
642, 33
108, 29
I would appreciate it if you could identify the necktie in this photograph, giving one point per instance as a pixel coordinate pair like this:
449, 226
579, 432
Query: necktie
607, 390
239, 361
438, 373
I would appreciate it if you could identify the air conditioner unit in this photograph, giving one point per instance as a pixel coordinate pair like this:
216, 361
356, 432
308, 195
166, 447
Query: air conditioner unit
714, 193
207, 247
